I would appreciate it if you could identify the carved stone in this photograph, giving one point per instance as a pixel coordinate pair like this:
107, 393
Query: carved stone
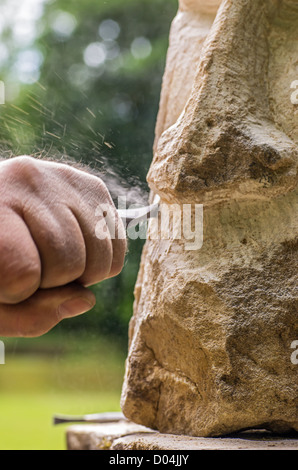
212, 332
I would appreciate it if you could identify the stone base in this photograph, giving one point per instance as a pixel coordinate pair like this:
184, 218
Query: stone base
126, 435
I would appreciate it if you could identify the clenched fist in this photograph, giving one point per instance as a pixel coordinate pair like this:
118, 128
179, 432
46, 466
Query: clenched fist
49, 249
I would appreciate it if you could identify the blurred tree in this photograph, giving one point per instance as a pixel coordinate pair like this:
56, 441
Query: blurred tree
82, 82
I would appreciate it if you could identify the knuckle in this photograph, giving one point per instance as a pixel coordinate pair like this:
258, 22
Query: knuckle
18, 282
63, 270
63, 255
26, 170
100, 191
106, 193
98, 263
101, 185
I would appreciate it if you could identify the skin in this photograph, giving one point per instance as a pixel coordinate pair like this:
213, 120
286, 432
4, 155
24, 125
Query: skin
49, 251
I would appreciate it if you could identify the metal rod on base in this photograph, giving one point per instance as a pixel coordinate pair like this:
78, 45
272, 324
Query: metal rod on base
111, 417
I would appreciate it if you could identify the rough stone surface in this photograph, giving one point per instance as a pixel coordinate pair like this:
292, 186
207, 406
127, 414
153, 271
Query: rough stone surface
211, 335
99, 436
129, 436
170, 442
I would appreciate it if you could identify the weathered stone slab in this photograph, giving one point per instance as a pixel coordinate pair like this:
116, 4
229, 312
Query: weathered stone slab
170, 442
129, 436
99, 436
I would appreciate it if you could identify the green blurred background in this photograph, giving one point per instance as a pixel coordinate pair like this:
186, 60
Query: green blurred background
82, 82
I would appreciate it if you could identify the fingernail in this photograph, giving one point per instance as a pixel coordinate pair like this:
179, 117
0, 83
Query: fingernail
74, 307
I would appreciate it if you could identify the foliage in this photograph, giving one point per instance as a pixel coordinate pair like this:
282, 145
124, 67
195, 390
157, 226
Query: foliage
86, 87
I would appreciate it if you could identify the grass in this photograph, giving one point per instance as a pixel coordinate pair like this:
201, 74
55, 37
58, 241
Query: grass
26, 418
41, 379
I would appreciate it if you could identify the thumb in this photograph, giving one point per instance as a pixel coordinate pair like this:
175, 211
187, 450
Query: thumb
44, 310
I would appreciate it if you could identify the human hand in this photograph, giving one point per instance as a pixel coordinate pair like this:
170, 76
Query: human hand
49, 252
